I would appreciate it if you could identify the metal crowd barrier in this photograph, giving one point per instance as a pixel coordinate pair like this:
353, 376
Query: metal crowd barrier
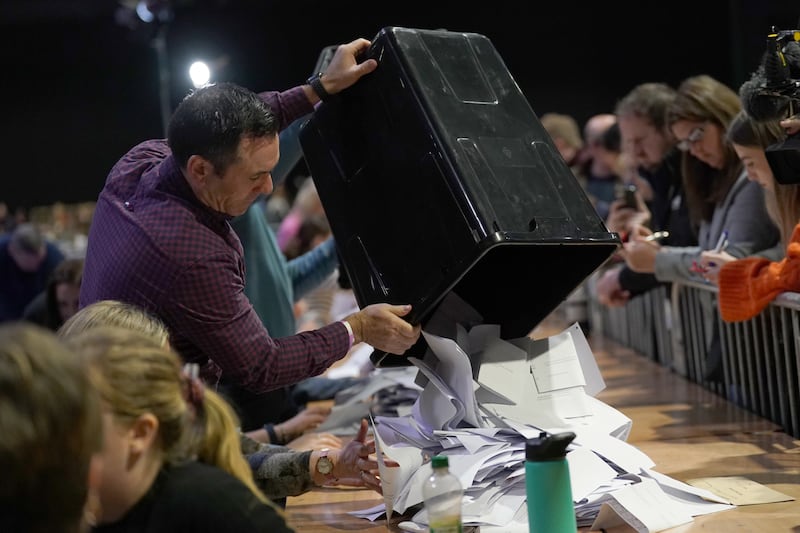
680, 327
644, 324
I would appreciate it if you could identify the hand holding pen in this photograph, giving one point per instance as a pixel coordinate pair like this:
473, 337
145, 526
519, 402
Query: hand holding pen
641, 249
658, 236
642, 233
712, 260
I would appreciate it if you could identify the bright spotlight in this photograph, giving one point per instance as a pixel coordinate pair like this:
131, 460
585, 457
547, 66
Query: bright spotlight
199, 73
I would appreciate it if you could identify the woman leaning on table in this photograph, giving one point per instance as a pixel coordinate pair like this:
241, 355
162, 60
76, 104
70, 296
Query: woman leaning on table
747, 286
749, 138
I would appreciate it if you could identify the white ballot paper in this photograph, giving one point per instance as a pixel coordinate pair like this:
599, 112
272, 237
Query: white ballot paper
542, 381
389, 474
393, 478
482, 396
454, 368
644, 507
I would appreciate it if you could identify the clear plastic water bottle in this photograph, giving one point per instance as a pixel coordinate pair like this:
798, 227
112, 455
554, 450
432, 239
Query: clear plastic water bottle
443, 493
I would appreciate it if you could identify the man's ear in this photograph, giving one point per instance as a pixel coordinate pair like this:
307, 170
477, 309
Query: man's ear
199, 169
142, 434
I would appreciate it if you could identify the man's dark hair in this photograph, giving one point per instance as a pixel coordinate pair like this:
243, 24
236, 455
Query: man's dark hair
212, 120
649, 101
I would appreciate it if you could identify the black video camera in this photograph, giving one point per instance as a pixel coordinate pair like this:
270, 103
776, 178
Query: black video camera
773, 93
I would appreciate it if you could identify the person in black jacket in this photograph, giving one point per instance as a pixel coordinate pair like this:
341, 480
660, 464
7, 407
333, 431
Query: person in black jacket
641, 117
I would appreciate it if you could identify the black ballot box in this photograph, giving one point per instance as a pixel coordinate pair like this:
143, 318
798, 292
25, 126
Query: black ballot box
437, 177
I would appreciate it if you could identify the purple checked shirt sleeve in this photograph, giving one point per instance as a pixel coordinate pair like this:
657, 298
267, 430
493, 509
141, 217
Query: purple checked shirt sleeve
209, 304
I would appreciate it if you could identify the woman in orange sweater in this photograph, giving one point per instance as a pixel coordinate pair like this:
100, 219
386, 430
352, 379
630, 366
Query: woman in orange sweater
748, 285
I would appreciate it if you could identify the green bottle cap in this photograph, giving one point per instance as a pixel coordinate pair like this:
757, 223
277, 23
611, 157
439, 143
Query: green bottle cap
439, 461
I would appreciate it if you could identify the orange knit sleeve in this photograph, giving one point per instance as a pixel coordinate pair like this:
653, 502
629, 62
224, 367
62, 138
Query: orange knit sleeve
748, 285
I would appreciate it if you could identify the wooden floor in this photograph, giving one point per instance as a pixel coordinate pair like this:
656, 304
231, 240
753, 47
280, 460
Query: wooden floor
687, 431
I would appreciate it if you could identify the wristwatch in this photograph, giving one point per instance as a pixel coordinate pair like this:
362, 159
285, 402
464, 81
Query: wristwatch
325, 465
319, 89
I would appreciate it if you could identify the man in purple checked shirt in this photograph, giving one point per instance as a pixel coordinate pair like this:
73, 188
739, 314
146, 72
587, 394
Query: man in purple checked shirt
160, 236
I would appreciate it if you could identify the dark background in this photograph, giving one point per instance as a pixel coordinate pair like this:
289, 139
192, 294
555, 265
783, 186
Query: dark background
79, 87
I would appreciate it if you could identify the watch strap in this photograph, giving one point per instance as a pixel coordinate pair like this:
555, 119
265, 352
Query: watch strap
316, 84
273, 435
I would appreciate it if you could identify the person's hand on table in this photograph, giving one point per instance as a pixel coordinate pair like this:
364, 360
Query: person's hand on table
355, 465
291, 430
307, 419
315, 441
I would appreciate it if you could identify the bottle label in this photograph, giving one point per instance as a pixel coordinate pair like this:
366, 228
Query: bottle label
446, 525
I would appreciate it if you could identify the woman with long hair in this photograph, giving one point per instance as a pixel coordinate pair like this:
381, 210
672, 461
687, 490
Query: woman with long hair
750, 138
747, 286
165, 465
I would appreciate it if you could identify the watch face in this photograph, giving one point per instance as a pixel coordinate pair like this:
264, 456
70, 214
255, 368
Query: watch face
324, 465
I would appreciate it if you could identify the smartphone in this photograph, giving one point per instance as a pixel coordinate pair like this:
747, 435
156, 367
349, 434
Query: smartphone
629, 197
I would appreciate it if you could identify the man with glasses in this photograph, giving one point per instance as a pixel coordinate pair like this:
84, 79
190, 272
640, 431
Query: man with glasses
646, 138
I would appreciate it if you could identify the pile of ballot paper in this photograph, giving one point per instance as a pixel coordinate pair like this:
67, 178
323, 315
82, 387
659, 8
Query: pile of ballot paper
478, 398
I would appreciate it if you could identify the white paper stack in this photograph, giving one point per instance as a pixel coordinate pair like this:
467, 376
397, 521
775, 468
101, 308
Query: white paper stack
482, 397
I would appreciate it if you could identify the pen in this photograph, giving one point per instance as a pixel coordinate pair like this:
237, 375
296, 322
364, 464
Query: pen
722, 242
657, 236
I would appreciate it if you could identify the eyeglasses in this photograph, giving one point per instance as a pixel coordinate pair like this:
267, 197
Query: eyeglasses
694, 136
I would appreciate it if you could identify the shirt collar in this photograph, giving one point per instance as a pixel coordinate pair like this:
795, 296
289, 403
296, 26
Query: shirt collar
174, 182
